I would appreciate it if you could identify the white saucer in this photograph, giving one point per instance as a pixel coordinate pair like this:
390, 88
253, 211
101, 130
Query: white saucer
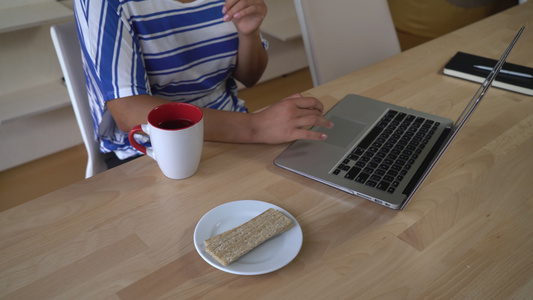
267, 257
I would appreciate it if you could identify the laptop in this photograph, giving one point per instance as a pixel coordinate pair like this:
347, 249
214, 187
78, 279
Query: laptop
379, 151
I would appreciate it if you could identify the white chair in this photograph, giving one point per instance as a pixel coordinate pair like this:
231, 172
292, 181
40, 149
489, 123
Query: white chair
67, 46
341, 36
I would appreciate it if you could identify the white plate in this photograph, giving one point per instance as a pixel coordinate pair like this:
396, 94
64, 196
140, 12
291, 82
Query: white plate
267, 257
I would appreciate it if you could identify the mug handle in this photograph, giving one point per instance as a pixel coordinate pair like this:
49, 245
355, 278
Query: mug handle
133, 142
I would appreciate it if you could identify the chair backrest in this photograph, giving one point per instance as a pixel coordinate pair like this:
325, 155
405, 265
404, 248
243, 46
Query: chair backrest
68, 50
341, 36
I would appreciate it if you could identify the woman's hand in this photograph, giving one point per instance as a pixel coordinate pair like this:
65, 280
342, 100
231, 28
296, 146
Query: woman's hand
283, 121
247, 15
252, 58
289, 120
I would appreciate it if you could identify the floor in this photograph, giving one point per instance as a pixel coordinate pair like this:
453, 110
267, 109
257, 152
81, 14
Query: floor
42, 176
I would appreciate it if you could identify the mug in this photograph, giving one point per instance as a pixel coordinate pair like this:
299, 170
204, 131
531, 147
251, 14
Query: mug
176, 132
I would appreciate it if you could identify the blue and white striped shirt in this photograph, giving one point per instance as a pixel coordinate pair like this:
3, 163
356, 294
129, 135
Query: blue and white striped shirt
177, 51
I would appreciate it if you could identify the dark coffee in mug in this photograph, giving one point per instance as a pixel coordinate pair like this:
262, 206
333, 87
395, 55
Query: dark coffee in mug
175, 124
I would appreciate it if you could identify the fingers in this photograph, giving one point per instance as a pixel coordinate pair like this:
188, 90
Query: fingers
302, 134
313, 120
295, 96
306, 111
290, 119
311, 115
240, 8
305, 102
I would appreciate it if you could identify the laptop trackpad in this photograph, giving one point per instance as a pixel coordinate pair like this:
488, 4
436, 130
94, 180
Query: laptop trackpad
344, 131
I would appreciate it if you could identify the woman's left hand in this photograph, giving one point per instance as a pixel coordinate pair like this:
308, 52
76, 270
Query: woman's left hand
247, 15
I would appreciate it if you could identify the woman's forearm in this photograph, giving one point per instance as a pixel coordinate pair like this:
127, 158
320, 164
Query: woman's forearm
252, 59
284, 121
220, 126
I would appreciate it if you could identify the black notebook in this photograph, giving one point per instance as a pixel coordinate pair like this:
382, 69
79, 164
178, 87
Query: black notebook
475, 68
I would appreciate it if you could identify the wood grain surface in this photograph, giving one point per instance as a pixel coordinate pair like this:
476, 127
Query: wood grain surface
467, 234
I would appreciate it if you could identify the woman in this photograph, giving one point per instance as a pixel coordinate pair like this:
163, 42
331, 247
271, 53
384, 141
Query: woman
140, 54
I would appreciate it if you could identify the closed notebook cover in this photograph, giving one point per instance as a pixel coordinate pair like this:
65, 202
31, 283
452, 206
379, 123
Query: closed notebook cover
462, 65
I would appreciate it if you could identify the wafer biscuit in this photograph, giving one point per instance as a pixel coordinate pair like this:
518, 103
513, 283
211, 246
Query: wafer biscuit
229, 246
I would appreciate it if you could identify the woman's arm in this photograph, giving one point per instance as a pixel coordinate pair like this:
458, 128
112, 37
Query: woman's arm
281, 122
252, 59
284, 121
247, 15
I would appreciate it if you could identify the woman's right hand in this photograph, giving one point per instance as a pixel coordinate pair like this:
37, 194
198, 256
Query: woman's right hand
289, 120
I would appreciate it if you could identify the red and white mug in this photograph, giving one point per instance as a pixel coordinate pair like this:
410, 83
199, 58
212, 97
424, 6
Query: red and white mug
176, 132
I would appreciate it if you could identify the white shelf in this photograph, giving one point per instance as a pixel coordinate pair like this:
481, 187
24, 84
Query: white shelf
35, 100
33, 14
25, 48
281, 21
284, 30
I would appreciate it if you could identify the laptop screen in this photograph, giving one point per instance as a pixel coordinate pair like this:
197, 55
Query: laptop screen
484, 87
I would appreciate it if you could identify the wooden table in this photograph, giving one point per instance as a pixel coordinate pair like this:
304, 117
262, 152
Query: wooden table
467, 234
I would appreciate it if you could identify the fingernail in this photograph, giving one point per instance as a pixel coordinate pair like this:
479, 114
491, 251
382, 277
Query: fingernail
226, 18
224, 10
237, 15
323, 136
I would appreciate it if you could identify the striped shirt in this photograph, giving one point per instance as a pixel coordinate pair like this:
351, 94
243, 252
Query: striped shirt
177, 51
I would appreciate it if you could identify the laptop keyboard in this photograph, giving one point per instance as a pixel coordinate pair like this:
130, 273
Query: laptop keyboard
387, 153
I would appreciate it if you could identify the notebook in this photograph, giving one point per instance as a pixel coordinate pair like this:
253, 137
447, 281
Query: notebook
475, 68
379, 151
